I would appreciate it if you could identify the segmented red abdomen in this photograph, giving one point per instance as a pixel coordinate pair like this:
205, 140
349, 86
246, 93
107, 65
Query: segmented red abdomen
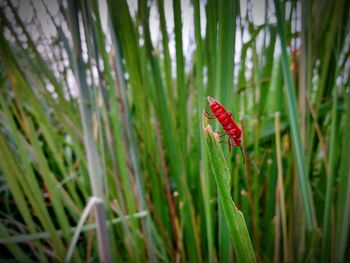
225, 119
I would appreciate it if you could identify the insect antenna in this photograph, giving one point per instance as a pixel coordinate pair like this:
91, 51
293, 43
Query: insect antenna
242, 153
245, 153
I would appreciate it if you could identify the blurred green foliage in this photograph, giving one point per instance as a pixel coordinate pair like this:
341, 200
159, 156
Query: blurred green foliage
95, 100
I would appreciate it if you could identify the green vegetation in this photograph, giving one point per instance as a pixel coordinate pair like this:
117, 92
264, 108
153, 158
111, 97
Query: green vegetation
105, 154
234, 218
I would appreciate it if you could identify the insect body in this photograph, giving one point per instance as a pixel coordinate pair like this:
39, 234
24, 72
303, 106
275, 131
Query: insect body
228, 124
231, 128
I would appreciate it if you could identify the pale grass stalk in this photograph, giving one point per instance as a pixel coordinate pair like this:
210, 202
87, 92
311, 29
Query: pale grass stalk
280, 202
277, 223
94, 202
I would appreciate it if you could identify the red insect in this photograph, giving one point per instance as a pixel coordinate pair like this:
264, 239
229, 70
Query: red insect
228, 124
231, 128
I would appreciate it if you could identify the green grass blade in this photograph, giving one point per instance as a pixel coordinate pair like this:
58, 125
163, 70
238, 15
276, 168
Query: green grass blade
167, 59
295, 127
331, 175
225, 50
181, 87
94, 162
85, 228
202, 156
226, 23
343, 202
16, 250
235, 220
143, 92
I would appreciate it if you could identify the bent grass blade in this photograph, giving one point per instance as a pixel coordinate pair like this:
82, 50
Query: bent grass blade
235, 220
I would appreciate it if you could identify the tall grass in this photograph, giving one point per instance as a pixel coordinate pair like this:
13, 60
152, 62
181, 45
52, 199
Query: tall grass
101, 107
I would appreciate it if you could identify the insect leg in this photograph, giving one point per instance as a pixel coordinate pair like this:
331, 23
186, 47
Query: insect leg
229, 144
222, 134
243, 154
208, 115
244, 150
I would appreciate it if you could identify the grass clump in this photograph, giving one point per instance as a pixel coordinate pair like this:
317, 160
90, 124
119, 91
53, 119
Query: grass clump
103, 100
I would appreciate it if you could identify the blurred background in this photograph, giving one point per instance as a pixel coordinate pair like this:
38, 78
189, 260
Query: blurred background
102, 150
